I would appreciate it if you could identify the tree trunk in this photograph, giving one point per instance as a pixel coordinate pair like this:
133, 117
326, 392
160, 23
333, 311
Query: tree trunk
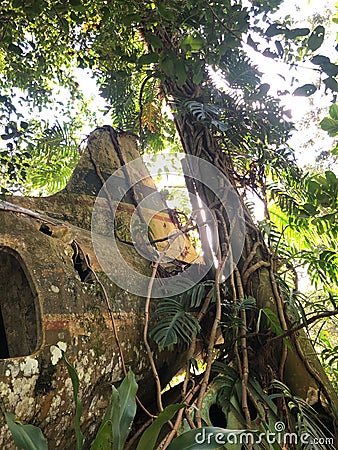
297, 364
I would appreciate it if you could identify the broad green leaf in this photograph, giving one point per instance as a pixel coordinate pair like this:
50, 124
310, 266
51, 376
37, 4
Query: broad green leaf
174, 324
78, 405
192, 43
331, 177
181, 72
203, 438
330, 69
123, 409
305, 91
274, 29
148, 58
115, 410
296, 32
167, 63
153, 40
165, 12
104, 437
316, 39
26, 437
334, 111
329, 125
309, 208
319, 60
331, 83
150, 436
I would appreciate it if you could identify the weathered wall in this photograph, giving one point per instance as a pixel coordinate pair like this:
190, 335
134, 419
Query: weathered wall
42, 298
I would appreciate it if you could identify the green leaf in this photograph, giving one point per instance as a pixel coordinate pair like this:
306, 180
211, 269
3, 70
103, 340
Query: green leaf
280, 49
167, 63
75, 2
181, 72
334, 111
104, 437
305, 91
330, 69
78, 405
274, 29
148, 58
203, 438
123, 409
153, 40
331, 83
334, 151
296, 32
173, 324
165, 12
263, 89
310, 209
192, 43
252, 43
331, 177
150, 436
316, 39
329, 125
319, 60
27, 437
14, 49
273, 321
131, 19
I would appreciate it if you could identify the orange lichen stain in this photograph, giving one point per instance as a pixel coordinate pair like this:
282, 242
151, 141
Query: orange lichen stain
56, 325
46, 405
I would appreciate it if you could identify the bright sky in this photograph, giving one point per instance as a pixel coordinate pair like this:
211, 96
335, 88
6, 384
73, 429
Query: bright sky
300, 10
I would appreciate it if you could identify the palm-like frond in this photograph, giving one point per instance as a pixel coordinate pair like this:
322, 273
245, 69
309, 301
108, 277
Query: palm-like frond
174, 324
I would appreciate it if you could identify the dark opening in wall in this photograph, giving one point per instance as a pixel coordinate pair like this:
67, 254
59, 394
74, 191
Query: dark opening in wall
20, 318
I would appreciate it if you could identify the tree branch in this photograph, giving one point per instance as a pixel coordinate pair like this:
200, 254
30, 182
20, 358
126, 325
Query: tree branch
303, 325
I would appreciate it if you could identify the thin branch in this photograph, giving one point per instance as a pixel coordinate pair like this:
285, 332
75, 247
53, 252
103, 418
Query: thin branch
245, 364
212, 338
281, 315
303, 325
251, 256
132, 441
253, 269
146, 326
6, 206
185, 397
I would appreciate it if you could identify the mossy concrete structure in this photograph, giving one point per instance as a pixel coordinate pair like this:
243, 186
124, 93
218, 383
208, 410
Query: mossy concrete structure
48, 306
